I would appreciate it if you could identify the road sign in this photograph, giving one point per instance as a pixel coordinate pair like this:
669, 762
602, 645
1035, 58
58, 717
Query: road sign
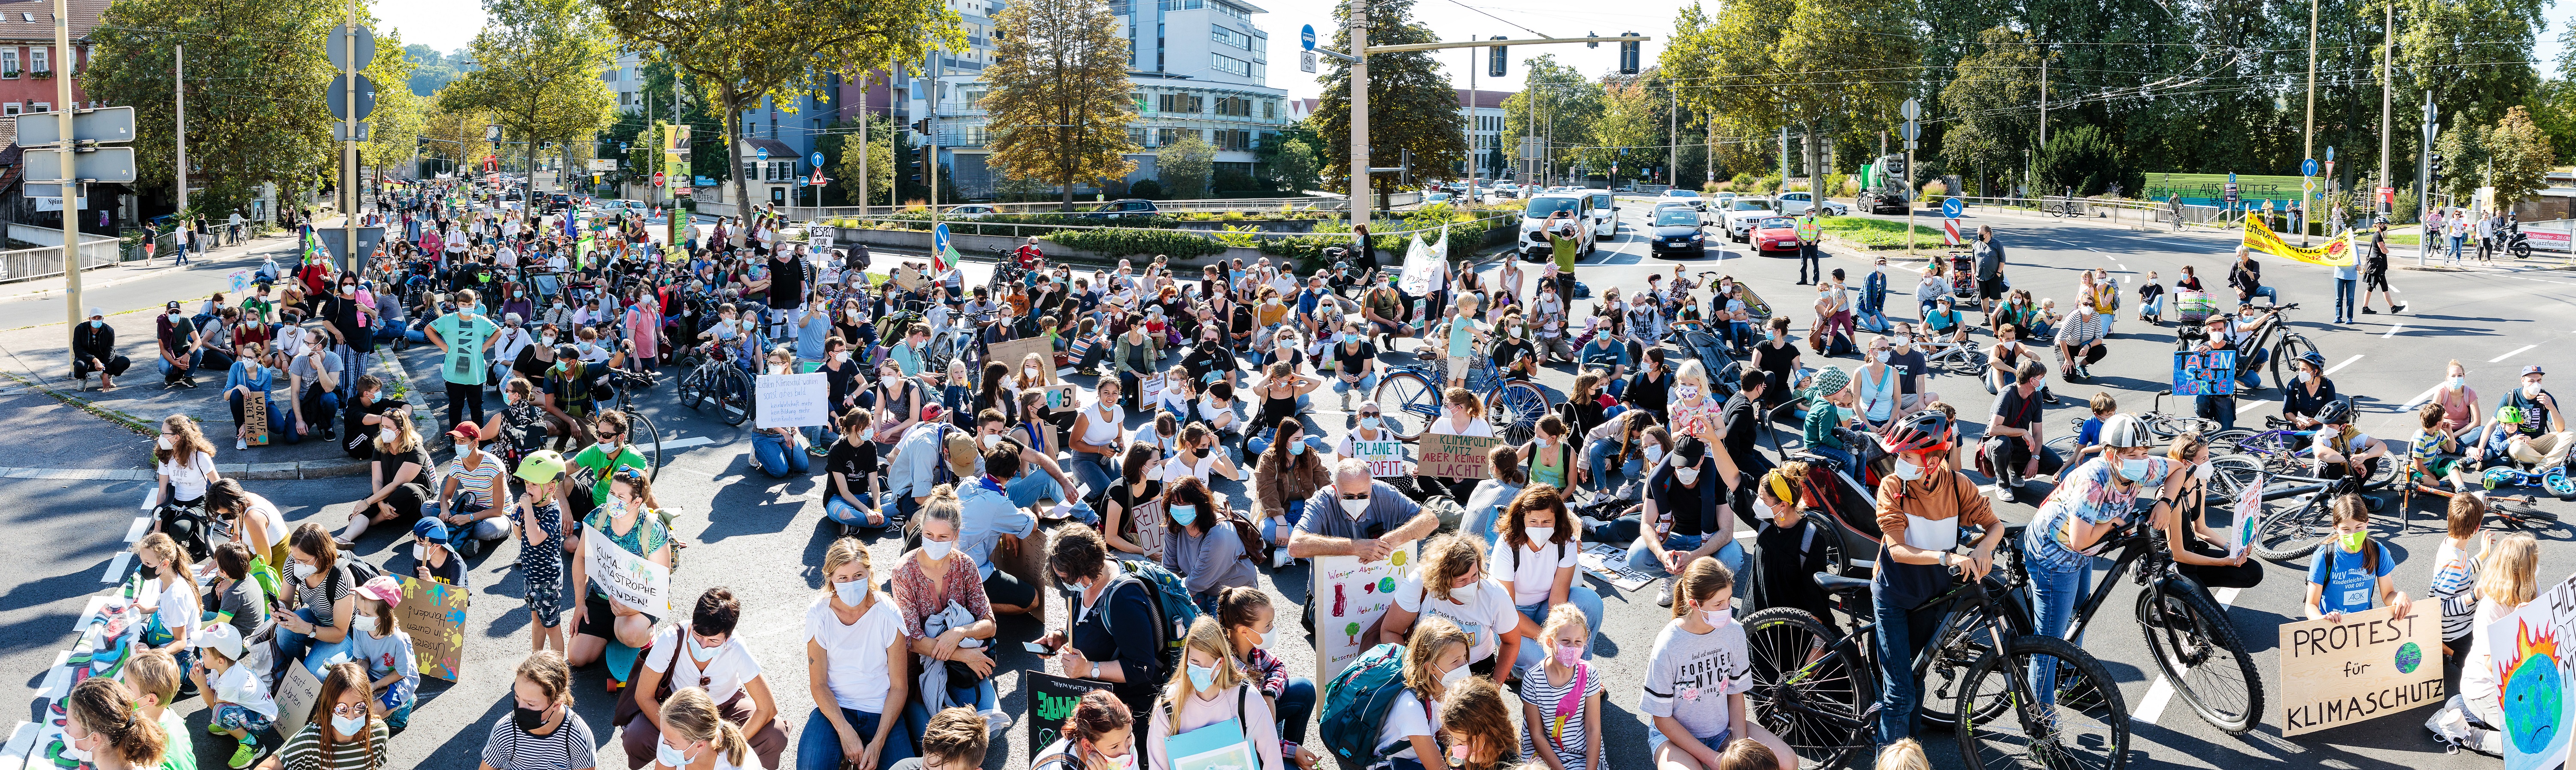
339, 97
1950, 207
816, 159
107, 124
492, 133
1306, 61
2329, 155
760, 152
1306, 37
657, 179
2311, 186
1911, 110
1949, 230
1911, 130
338, 48
106, 164
2308, 167
332, 240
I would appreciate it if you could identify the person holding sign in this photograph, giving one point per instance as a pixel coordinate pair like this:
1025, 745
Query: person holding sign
1372, 520
1460, 415
2508, 578
380, 643
1211, 693
2351, 573
776, 451
342, 733
2205, 554
621, 521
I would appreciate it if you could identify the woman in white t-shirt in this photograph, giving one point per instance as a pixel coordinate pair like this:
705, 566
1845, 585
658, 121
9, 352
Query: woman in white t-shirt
710, 657
1199, 457
1452, 584
856, 657
1211, 690
184, 461
1697, 674
1537, 559
1435, 659
169, 591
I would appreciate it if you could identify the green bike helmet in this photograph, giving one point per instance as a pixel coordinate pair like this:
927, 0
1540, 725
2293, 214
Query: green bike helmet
2501, 477
2509, 414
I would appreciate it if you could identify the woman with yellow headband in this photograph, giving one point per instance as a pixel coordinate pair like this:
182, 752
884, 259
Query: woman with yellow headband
1790, 548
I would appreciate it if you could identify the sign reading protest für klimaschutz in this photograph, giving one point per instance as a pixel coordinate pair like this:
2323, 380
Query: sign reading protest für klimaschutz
2369, 664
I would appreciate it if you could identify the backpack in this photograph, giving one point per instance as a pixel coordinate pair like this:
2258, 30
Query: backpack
1174, 611
1516, 553
1244, 530
1356, 702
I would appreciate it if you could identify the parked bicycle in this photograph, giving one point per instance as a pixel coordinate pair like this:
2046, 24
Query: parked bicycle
1409, 394
720, 380
640, 432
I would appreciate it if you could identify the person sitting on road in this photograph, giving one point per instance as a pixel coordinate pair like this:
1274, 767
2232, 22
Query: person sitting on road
2088, 437
626, 523
720, 667
2342, 449
988, 515
401, 473
2352, 570
474, 483
1685, 502
2541, 437
1107, 598
94, 350
2014, 434
2303, 401
1830, 396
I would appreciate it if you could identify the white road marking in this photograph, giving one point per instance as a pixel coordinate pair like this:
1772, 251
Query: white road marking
116, 568
2346, 362
2510, 354
2161, 693
2420, 398
2392, 330
135, 532
686, 443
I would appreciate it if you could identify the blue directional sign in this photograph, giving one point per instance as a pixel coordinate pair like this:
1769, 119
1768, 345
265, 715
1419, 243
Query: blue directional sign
1951, 208
817, 159
2231, 177
2329, 153
1307, 37
2308, 167
760, 152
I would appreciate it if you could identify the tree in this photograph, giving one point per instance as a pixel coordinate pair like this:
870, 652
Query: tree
880, 156
393, 131
740, 52
1567, 104
1632, 118
2464, 158
255, 111
455, 135
1059, 82
1415, 107
1992, 93
1297, 166
431, 70
1184, 166
2080, 157
2522, 155
538, 72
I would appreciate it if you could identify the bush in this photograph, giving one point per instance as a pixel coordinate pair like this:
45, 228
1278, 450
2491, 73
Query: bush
1743, 182
1120, 243
1766, 184
1145, 188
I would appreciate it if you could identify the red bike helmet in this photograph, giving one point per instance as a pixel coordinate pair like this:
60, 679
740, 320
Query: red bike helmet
1924, 431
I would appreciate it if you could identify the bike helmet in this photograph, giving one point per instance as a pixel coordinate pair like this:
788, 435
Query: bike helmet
2336, 412
2500, 477
541, 466
2121, 431
2313, 360
2509, 414
1925, 431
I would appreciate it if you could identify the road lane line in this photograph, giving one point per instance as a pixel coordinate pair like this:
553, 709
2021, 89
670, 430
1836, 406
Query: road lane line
2161, 693
2510, 354
2420, 398
2392, 330
2346, 362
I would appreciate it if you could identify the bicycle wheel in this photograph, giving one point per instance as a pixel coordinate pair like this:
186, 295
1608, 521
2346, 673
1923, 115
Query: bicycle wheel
1514, 410
2201, 656
644, 436
692, 389
2229, 475
2293, 533
2291, 347
2228, 442
2084, 725
732, 396
1809, 687
1971, 363
2169, 426
1407, 403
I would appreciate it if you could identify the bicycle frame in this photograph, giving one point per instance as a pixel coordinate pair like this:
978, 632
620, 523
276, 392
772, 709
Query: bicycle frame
1971, 596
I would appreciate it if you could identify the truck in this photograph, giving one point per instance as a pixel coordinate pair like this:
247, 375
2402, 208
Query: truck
1883, 187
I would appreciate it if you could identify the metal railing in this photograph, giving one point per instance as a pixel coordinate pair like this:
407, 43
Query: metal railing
1013, 230
1247, 205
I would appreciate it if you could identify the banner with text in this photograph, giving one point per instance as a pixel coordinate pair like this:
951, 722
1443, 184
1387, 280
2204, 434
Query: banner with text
626, 578
1051, 699
791, 400
1015, 352
1351, 595
1456, 457
1384, 458
2334, 253
2370, 664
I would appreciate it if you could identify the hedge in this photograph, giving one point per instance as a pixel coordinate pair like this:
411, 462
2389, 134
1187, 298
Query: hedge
1119, 243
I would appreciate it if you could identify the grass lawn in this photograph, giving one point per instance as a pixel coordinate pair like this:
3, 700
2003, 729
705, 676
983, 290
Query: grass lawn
1880, 233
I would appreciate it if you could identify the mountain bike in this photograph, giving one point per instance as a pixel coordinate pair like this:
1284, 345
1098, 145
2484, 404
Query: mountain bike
2189, 635
1818, 691
640, 432
2280, 450
717, 379
1409, 396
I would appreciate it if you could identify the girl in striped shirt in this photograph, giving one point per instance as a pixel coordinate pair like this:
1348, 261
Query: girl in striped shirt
2454, 571
1561, 703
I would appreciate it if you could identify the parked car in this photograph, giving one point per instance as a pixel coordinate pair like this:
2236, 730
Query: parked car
1678, 233
1507, 190
1797, 203
1772, 234
972, 211
1722, 200
1679, 195
1124, 208
1743, 213
1438, 197
1534, 245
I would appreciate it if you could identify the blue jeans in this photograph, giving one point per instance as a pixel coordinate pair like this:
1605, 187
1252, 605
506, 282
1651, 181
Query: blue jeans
2345, 307
819, 747
1605, 475
1275, 529
2268, 292
2220, 408
1027, 490
1894, 645
1873, 320
2154, 307
313, 652
1096, 472
777, 457
2456, 242
2054, 595
1583, 598
1643, 559
1296, 704
1366, 386
842, 512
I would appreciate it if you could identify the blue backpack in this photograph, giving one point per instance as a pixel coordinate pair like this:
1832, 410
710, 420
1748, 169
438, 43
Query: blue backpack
1173, 609
1356, 702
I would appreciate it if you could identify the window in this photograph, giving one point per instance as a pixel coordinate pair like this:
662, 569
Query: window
1183, 103
974, 97
1142, 104
1232, 65
1136, 136
1230, 37
40, 60
9, 64
1166, 137
1269, 109
8, 108
40, 106
1233, 139
1224, 8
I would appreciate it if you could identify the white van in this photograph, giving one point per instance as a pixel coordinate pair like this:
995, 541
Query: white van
1533, 244
1605, 213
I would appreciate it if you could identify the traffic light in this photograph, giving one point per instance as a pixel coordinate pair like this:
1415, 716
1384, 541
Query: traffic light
922, 125
1592, 44
2435, 167
1404, 160
1628, 54
1494, 61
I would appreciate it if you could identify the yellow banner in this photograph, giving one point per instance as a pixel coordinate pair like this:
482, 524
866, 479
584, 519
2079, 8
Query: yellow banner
2335, 253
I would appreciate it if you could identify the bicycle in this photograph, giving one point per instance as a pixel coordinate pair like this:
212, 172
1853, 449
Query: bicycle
2157, 421
2278, 450
718, 379
1817, 690
1953, 356
2286, 346
640, 432
1409, 397
2187, 633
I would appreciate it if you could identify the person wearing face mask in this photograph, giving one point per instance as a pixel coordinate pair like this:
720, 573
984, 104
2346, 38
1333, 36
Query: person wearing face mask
352, 337
1454, 584
1203, 544
1697, 675
858, 668
2071, 530
2080, 344
1105, 598
169, 591
2541, 436
94, 350
1210, 690
1877, 389
1912, 371
1286, 474
474, 492
2016, 434
1790, 548
705, 653
400, 473
464, 336
1922, 508
104, 727
1830, 396
1098, 734
643, 325
2352, 570
699, 738
988, 514
1684, 517
2461, 418
1140, 481
1435, 666
541, 732
2204, 553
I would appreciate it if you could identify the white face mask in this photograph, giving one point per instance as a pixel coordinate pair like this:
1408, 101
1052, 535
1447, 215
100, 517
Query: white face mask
1540, 534
164, 443
1762, 509
388, 435
1686, 475
992, 441
937, 549
1907, 470
1355, 507
1654, 454
1030, 372
1455, 675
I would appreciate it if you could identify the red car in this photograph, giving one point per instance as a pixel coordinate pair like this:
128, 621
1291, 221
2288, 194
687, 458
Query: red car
1776, 234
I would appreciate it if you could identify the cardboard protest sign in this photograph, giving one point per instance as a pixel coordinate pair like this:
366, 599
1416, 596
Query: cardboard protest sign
2532, 667
1611, 564
1051, 699
1456, 457
295, 698
255, 416
1351, 595
1015, 351
2204, 373
1384, 458
433, 613
2368, 665
791, 400
624, 577
1149, 528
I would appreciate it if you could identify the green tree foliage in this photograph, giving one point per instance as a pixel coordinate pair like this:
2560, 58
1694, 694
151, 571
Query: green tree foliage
538, 73
1821, 68
455, 136
739, 52
2464, 157
1297, 167
431, 70
1631, 117
1059, 80
393, 131
1412, 105
2084, 158
2521, 153
1567, 105
2457, 47
1989, 94
836, 145
255, 110
1184, 166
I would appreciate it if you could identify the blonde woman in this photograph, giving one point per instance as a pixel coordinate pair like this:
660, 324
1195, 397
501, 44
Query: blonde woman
1435, 662
169, 591
183, 462
400, 475
696, 737
2509, 577
1209, 689
1453, 586
855, 664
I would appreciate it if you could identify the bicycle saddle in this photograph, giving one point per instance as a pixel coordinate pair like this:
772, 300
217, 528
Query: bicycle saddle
1838, 584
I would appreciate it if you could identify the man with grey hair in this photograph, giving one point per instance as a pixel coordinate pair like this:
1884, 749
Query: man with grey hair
1358, 516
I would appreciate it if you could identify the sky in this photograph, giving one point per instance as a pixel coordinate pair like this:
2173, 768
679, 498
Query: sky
450, 24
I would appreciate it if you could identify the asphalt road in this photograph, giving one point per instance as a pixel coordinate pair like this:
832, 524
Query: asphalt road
746, 528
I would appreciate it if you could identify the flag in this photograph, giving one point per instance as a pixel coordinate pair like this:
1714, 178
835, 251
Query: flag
943, 249
2259, 237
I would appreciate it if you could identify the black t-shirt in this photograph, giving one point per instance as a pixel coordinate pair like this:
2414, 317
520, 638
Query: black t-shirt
1779, 361
1683, 503
2013, 410
1743, 418
1507, 351
786, 282
342, 312
1909, 368
1127, 504
1208, 359
1350, 360
1649, 393
858, 462
355, 437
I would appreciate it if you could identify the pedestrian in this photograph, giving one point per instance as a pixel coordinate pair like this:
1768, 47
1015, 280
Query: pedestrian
94, 350
1809, 256
1989, 272
2375, 272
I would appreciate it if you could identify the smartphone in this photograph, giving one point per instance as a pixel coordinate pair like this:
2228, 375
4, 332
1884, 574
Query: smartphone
1037, 648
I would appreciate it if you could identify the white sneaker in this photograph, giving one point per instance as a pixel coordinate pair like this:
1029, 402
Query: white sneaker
1279, 558
240, 444
1664, 593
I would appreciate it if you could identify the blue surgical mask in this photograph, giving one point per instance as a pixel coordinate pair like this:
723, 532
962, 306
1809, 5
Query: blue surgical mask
1185, 514
2133, 470
1204, 677
663, 753
1370, 423
1296, 448
355, 725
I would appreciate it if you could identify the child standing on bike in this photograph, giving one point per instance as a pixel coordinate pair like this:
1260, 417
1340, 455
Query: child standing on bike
2351, 571
1921, 508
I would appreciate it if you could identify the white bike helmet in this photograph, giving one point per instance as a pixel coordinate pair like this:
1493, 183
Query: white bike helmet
2121, 431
